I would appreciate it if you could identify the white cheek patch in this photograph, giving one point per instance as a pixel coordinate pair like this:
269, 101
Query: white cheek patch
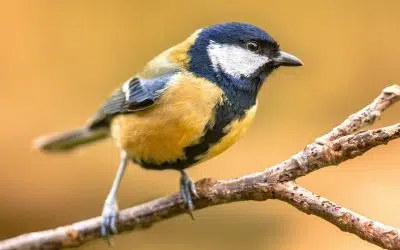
234, 60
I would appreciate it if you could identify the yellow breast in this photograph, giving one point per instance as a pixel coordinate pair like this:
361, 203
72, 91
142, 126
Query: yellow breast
177, 120
234, 131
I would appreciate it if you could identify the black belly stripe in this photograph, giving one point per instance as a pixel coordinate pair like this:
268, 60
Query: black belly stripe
223, 117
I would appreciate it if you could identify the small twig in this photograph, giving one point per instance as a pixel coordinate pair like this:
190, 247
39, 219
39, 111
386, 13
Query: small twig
316, 155
345, 219
365, 116
276, 182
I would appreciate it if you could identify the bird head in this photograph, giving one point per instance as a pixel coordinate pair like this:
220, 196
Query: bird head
238, 52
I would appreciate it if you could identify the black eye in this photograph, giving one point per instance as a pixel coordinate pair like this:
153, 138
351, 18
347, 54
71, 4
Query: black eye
253, 46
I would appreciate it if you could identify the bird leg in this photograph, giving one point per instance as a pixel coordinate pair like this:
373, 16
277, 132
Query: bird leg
187, 189
110, 208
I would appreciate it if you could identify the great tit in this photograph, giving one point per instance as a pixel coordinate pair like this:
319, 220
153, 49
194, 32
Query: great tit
188, 104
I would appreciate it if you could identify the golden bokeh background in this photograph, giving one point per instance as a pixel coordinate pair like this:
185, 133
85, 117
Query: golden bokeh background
60, 59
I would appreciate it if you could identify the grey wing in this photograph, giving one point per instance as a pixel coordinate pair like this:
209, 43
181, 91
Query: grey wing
131, 97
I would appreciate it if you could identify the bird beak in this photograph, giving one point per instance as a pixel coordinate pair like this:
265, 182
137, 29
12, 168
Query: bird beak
286, 59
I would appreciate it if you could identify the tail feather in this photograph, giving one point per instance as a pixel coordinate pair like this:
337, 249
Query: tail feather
71, 139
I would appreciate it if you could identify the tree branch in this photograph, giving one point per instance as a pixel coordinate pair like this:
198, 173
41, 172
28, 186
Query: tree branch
345, 219
276, 182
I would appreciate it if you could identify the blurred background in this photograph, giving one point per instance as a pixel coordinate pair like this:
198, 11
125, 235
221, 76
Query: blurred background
60, 59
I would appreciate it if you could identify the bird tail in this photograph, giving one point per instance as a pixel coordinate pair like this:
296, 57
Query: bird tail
66, 141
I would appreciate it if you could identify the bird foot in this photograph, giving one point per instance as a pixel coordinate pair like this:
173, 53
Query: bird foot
109, 218
188, 190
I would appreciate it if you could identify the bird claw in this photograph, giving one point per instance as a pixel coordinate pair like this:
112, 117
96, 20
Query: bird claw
109, 218
187, 191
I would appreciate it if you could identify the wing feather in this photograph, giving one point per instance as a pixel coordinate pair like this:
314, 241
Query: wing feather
131, 97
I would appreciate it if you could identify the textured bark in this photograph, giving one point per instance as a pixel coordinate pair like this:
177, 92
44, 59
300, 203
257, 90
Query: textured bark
345, 219
276, 182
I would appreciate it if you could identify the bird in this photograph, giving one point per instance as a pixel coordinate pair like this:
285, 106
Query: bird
188, 104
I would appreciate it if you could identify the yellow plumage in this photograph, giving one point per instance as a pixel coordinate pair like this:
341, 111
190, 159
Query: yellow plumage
173, 59
159, 134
